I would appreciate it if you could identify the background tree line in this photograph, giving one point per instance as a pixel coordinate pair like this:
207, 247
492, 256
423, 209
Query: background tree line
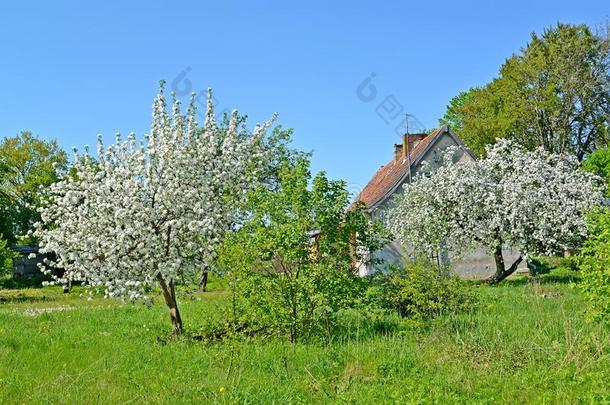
554, 93
27, 163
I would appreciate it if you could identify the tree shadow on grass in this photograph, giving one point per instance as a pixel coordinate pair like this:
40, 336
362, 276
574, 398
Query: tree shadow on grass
351, 325
560, 277
555, 276
517, 281
19, 283
24, 289
20, 298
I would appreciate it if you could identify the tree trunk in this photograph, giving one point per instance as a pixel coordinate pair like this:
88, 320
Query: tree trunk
203, 281
501, 271
169, 294
293, 326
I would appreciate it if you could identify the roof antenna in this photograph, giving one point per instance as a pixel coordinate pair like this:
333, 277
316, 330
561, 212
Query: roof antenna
406, 146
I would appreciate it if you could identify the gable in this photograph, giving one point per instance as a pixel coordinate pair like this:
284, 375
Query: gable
435, 154
390, 177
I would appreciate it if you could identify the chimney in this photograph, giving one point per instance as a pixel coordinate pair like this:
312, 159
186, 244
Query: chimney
398, 151
409, 142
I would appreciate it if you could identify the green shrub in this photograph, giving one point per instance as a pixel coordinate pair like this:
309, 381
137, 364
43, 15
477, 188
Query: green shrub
291, 262
567, 263
599, 163
6, 257
595, 265
422, 291
299, 302
545, 264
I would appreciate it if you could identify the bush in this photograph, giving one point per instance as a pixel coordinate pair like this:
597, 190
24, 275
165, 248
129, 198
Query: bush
422, 291
6, 258
599, 163
291, 262
594, 262
299, 302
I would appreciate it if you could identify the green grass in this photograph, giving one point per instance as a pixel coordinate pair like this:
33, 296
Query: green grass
526, 343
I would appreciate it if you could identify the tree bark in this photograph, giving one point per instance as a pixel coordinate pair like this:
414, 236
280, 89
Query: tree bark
203, 281
169, 294
293, 326
501, 271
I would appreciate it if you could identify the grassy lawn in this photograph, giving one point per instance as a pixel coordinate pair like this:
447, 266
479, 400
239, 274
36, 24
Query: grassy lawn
526, 343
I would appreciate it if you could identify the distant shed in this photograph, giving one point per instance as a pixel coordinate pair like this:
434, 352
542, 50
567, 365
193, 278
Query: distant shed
23, 266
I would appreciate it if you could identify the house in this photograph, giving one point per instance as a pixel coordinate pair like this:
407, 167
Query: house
409, 156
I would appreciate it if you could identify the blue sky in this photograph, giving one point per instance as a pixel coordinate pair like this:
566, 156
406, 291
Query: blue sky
72, 70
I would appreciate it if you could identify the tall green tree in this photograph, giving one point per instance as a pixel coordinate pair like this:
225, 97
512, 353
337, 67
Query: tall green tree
453, 114
27, 163
6, 258
555, 93
598, 163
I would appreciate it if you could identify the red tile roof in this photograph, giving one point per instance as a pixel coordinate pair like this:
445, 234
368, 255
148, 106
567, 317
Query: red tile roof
389, 175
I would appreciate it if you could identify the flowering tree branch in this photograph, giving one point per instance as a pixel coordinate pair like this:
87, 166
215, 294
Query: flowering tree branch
533, 201
148, 212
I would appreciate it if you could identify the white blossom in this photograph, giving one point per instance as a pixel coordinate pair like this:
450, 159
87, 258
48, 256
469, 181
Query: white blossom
158, 207
532, 201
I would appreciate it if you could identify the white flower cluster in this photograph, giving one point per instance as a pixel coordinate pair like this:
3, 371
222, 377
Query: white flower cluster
533, 201
155, 208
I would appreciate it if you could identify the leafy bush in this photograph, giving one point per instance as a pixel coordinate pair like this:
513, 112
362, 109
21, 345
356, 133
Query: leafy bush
421, 291
599, 163
567, 264
300, 303
291, 262
595, 265
6, 257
